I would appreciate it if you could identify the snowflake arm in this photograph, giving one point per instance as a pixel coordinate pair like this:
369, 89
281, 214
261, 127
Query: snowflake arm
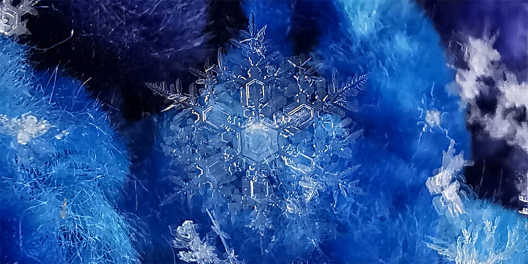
173, 93
231, 257
11, 23
338, 94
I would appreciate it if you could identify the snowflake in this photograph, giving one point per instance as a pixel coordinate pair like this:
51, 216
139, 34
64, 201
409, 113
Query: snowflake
433, 118
198, 250
254, 124
28, 127
11, 22
24, 128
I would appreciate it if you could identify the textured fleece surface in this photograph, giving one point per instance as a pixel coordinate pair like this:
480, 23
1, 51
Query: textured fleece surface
62, 170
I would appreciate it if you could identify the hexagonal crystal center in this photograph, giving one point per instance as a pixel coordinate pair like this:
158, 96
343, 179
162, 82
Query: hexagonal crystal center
259, 142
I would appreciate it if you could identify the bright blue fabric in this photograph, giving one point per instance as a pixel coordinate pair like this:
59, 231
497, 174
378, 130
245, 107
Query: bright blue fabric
59, 189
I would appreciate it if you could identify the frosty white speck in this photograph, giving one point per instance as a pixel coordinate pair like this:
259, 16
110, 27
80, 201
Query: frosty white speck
24, 128
433, 118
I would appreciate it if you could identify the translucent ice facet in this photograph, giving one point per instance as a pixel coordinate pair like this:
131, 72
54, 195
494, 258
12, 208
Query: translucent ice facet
300, 162
259, 221
451, 194
311, 188
301, 114
255, 90
259, 142
215, 116
440, 181
259, 188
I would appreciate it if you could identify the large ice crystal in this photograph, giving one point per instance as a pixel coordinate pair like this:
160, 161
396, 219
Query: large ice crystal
262, 136
11, 22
